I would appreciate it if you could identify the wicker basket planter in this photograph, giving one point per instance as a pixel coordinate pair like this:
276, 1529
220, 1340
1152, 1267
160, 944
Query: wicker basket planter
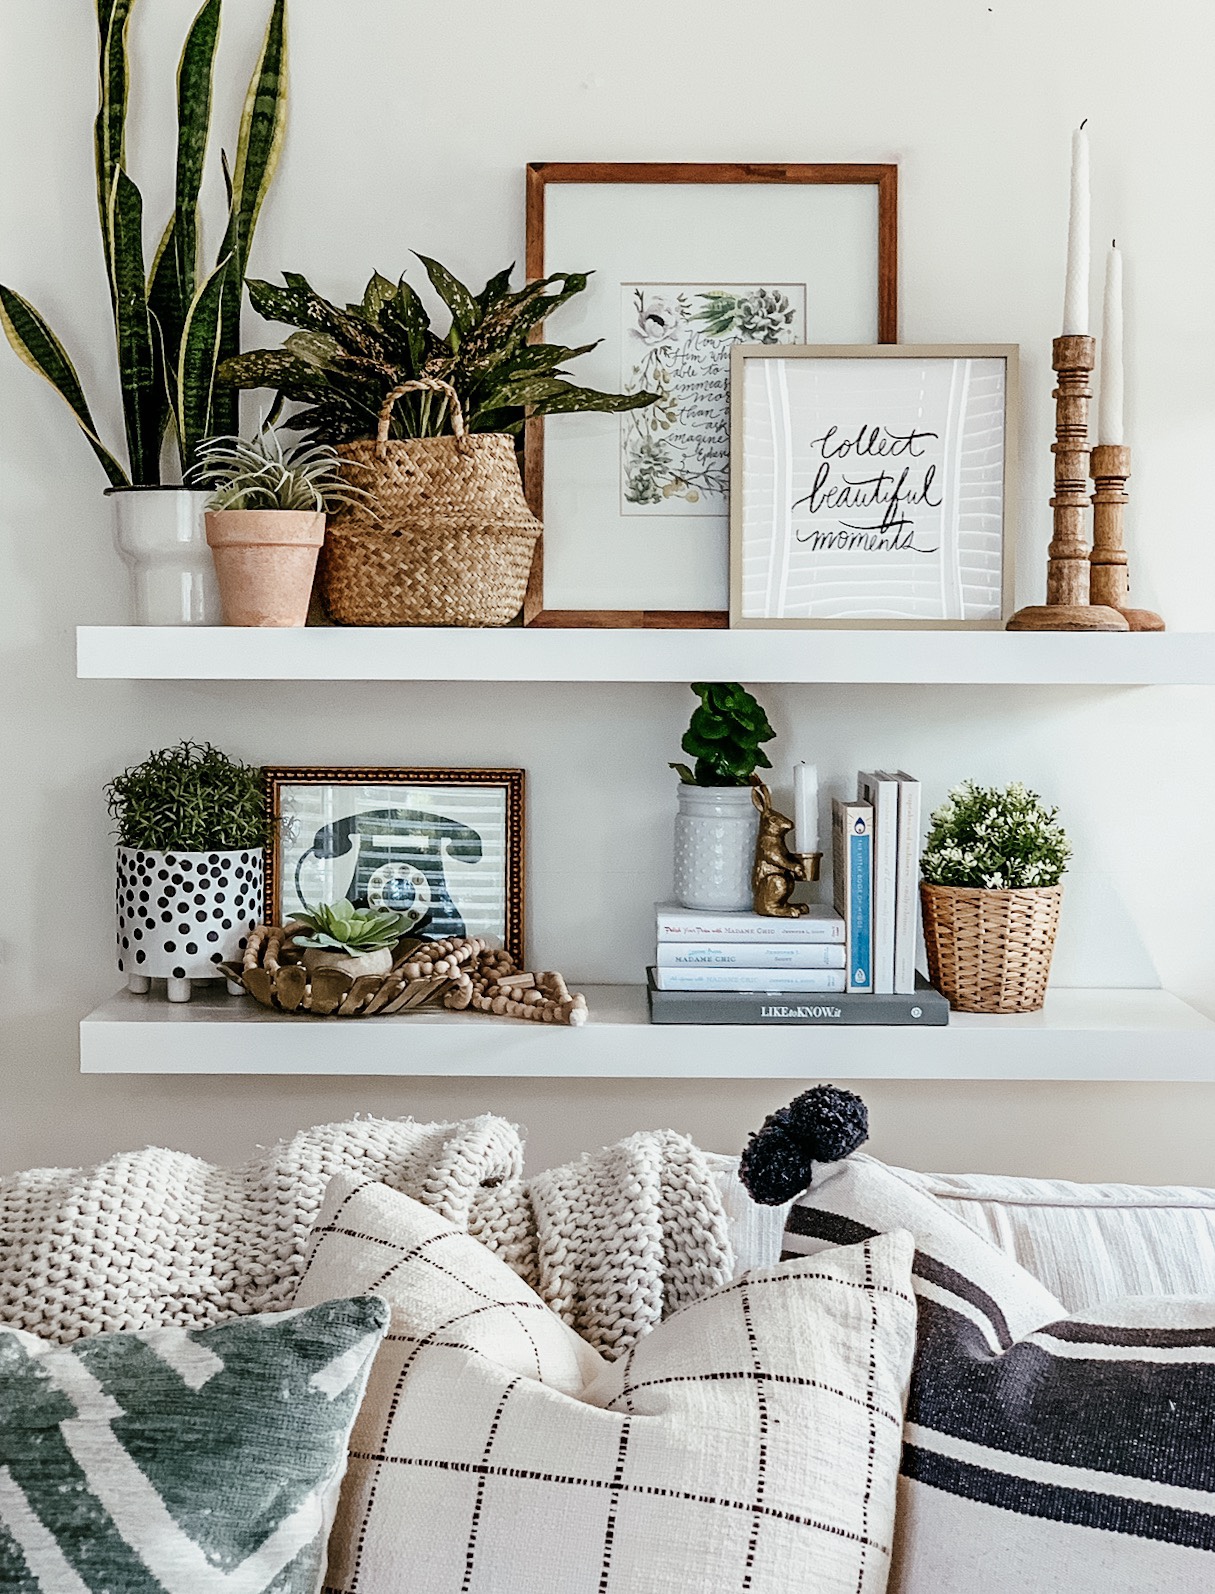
444, 535
990, 951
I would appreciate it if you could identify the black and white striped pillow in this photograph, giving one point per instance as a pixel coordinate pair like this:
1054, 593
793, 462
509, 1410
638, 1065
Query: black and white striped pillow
1042, 1452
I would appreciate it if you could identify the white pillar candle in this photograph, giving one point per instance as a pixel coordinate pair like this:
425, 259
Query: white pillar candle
1111, 420
1075, 299
805, 807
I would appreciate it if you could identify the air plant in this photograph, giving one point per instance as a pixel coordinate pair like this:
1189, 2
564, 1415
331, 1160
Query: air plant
262, 474
343, 362
341, 927
175, 321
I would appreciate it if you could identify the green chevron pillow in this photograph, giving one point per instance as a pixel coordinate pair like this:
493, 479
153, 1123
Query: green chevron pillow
180, 1462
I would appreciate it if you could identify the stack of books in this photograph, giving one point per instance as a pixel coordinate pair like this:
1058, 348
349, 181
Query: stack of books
742, 968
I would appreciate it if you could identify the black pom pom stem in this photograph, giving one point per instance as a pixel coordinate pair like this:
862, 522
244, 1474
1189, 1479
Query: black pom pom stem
824, 1124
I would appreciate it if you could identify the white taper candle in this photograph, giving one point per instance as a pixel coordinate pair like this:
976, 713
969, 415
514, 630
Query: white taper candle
1075, 299
805, 807
1111, 421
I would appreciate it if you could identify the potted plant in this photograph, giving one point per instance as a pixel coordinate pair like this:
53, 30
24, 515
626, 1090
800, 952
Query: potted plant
352, 940
174, 320
991, 894
426, 424
266, 522
717, 824
191, 825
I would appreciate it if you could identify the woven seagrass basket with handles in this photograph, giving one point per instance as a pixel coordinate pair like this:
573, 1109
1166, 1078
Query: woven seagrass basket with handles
990, 951
443, 536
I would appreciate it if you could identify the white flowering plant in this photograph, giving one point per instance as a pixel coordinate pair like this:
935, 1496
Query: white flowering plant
987, 839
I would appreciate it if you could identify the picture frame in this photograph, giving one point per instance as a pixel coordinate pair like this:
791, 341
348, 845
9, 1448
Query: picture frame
445, 844
921, 536
803, 252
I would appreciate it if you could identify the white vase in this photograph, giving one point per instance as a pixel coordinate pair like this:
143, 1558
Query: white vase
181, 913
716, 829
161, 534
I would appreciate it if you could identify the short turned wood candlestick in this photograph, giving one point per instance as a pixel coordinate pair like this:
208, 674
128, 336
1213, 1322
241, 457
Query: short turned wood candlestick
1068, 606
1109, 582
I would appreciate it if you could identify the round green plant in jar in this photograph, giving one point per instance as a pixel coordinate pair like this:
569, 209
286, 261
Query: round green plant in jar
991, 893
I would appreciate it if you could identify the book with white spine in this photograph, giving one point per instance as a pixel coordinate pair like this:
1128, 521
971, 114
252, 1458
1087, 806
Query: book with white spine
776, 980
907, 888
881, 791
676, 923
753, 955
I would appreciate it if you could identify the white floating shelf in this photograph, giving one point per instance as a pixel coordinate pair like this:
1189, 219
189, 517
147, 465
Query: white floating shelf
1080, 1035
324, 653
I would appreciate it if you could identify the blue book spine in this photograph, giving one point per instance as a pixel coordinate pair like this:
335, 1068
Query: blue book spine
860, 926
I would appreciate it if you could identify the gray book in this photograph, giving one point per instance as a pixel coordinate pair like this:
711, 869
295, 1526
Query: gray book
925, 1008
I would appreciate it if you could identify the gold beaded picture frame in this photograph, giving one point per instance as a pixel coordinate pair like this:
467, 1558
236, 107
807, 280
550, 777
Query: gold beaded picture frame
445, 847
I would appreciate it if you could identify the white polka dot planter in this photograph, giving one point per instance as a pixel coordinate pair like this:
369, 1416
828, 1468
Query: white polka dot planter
180, 914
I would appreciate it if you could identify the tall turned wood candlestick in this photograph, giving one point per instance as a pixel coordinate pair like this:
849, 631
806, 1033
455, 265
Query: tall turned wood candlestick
1068, 606
1109, 583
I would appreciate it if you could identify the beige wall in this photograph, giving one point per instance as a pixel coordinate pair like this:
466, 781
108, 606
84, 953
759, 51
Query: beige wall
410, 128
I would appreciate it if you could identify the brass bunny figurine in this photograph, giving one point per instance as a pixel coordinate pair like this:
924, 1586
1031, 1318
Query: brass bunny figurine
777, 870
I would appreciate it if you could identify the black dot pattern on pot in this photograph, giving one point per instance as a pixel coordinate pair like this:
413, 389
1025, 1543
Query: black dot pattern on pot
166, 901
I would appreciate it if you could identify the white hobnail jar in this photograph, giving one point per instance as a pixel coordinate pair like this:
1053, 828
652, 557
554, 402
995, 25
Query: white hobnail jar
181, 913
161, 534
716, 829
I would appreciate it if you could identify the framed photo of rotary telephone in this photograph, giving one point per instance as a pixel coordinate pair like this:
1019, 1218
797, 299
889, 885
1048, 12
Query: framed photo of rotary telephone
442, 846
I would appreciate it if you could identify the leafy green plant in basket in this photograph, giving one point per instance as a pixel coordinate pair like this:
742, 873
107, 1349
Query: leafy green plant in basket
724, 736
175, 319
189, 798
344, 360
985, 839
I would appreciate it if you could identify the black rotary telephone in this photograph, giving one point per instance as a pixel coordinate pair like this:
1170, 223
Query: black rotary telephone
400, 864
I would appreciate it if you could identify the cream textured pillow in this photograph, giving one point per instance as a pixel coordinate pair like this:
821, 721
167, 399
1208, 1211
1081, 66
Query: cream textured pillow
155, 1238
750, 1441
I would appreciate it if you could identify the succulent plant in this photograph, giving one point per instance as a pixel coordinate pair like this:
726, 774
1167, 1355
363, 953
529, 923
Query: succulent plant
341, 927
262, 474
724, 736
344, 361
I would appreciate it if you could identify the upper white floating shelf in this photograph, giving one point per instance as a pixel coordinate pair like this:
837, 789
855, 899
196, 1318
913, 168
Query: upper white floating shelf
952, 658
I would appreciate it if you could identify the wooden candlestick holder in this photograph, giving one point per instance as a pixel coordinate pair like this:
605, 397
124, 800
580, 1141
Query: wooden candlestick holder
1068, 605
1109, 582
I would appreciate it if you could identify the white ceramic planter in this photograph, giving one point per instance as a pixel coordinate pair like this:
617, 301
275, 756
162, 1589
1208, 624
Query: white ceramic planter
181, 913
716, 829
161, 534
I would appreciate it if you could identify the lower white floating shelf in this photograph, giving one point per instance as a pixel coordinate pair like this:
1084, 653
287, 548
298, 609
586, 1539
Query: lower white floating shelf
1080, 1035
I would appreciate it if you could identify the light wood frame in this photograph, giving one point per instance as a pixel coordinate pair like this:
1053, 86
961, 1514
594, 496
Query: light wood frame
513, 782
539, 175
1008, 352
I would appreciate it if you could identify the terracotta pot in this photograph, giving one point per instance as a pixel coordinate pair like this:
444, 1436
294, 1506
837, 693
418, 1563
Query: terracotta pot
265, 560
354, 964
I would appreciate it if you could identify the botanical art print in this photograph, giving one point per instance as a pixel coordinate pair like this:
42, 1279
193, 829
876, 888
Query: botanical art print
675, 454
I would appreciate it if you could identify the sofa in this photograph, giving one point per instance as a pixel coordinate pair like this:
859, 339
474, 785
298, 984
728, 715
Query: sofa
624, 1376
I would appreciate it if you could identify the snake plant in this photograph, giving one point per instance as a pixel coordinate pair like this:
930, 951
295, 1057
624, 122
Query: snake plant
340, 926
344, 361
175, 321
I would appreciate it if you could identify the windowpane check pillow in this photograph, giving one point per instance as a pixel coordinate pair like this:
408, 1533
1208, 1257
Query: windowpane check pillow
750, 1441
176, 1461
1062, 1455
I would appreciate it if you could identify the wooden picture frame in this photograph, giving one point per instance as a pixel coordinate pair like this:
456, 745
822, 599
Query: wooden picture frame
809, 530
454, 849
542, 175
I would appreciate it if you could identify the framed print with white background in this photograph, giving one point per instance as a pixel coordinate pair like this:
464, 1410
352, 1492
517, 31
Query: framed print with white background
442, 846
688, 261
873, 486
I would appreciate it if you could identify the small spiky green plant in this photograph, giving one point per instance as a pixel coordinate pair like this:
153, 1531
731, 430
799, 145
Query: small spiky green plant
341, 927
724, 736
262, 474
189, 798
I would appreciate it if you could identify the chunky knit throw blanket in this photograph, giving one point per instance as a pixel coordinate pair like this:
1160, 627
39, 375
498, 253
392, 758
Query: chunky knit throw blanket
613, 1241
